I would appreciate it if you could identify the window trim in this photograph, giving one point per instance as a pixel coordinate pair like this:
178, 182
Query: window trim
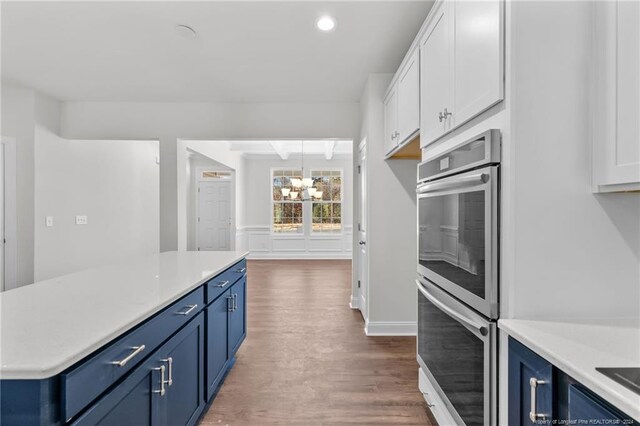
307, 213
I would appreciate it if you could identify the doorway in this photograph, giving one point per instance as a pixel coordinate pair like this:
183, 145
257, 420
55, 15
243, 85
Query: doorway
214, 215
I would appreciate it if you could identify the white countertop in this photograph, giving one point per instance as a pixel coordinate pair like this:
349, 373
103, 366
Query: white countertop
577, 347
48, 326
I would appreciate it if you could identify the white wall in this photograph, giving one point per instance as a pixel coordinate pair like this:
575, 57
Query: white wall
391, 233
18, 121
255, 235
169, 122
576, 253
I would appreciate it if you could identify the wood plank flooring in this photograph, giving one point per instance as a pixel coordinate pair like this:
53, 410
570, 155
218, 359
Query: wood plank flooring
306, 360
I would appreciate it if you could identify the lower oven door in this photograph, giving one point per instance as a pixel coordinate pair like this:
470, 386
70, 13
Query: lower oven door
457, 351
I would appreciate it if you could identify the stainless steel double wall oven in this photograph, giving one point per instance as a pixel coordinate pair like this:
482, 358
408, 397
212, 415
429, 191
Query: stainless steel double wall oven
458, 276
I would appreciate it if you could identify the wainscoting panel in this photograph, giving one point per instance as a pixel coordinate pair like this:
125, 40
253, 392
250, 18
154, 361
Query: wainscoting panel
262, 244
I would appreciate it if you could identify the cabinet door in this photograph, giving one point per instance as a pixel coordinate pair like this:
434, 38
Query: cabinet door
217, 341
586, 408
183, 357
529, 373
237, 317
136, 401
616, 142
409, 98
391, 120
436, 76
478, 58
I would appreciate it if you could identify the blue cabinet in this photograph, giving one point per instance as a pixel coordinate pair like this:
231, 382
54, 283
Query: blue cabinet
217, 341
530, 386
237, 316
540, 393
165, 390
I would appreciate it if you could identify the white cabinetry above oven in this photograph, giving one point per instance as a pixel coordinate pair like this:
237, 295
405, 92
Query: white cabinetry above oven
462, 71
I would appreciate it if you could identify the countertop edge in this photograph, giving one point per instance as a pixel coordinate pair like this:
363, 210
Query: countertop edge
609, 393
40, 373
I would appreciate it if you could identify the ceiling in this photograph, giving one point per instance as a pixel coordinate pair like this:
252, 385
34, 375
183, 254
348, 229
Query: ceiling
264, 51
288, 149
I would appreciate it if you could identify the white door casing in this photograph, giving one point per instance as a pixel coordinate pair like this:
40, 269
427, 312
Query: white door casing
363, 255
9, 219
214, 215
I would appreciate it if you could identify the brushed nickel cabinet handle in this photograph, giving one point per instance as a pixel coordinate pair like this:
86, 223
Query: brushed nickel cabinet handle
188, 311
162, 380
533, 413
169, 362
241, 270
235, 302
230, 299
124, 361
222, 284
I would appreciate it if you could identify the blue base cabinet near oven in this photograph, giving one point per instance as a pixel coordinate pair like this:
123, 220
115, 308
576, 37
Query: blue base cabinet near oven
540, 393
163, 372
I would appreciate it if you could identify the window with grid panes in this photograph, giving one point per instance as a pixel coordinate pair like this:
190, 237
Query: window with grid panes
287, 212
326, 212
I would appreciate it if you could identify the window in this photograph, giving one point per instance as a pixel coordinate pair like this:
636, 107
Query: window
287, 214
326, 212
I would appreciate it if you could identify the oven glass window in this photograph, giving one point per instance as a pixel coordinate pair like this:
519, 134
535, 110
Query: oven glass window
455, 357
452, 238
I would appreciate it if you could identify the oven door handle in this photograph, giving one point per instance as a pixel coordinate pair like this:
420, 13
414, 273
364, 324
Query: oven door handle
467, 322
454, 182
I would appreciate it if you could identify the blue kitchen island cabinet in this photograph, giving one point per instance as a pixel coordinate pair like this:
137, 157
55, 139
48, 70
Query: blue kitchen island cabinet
158, 370
541, 393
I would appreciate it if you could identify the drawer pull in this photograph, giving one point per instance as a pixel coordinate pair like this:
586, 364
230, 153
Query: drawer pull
533, 413
162, 381
169, 362
124, 361
235, 302
241, 270
222, 284
230, 299
188, 311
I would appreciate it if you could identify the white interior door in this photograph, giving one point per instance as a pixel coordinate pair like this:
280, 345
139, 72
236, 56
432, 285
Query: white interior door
363, 259
214, 215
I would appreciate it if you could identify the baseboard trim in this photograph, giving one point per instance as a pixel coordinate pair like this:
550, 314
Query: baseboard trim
354, 303
298, 255
395, 328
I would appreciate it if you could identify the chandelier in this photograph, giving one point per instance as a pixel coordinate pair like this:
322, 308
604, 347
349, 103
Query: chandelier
301, 187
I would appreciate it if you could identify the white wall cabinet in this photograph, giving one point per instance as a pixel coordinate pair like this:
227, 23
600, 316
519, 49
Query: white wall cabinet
391, 133
616, 115
462, 65
402, 104
409, 98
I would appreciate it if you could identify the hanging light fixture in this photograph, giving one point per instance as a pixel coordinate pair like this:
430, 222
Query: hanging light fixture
303, 186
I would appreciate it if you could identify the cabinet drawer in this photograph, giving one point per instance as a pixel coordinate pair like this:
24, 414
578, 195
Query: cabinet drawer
222, 282
83, 383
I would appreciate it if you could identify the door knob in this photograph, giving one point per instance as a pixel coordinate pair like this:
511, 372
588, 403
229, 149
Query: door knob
362, 243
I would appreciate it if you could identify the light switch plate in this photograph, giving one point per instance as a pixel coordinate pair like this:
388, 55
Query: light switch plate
49, 221
81, 220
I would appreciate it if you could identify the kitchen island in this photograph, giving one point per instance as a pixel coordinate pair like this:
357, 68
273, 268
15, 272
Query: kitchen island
146, 341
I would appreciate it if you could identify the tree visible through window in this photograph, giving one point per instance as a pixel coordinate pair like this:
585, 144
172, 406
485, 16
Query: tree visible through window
326, 213
287, 213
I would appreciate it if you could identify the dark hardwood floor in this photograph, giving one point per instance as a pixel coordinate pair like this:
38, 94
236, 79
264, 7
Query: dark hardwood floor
306, 360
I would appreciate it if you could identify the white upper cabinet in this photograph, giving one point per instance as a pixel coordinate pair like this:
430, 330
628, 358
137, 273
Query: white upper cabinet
616, 115
462, 71
391, 134
409, 98
478, 58
436, 76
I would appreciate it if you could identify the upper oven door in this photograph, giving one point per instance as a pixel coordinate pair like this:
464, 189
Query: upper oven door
458, 236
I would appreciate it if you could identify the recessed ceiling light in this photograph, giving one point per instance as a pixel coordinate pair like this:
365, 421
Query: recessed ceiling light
186, 31
326, 23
